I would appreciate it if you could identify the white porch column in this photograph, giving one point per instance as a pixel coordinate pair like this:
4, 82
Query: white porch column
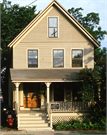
17, 95
48, 86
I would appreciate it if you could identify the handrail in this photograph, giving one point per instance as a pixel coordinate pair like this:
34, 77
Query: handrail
49, 112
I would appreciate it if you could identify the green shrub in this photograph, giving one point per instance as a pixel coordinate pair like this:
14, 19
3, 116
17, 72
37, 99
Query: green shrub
91, 125
69, 127
72, 121
86, 120
86, 124
57, 125
63, 126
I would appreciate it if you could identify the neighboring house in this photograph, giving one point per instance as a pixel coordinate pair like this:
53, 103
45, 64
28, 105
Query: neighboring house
44, 60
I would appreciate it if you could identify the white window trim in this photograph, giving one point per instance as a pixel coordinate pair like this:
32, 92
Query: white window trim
48, 28
27, 58
71, 58
52, 58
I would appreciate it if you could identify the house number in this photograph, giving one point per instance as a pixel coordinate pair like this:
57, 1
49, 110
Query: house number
32, 114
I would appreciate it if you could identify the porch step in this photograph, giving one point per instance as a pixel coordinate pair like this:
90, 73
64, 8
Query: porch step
33, 114
32, 118
34, 124
33, 121
35, 128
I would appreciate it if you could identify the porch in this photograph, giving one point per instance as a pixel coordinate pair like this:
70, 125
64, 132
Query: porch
61, 103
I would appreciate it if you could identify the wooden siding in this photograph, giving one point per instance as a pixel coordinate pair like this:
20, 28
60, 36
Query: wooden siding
69, 38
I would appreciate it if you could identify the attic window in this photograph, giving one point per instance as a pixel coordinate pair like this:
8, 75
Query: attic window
53, 27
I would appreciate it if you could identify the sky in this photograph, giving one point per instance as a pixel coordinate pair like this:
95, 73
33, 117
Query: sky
97, 6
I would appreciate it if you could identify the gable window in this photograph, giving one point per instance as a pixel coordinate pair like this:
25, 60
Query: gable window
53, 27
77, 58
58, 58
32, 58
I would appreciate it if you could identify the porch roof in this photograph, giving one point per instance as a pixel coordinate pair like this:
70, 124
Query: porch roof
40, 75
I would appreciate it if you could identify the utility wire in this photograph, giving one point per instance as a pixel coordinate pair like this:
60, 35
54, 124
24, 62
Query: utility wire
31, 3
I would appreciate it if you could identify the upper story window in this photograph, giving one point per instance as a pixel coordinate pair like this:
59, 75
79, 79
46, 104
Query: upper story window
77, 58
32, 58
58, 58
53, 27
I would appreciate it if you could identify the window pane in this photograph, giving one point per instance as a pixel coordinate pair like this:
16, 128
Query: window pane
58, 53
53, 32
53, 22
32, 54
32, 58
76, 63
58, 62
77, 53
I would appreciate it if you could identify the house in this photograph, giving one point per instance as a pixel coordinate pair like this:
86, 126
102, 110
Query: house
44, 60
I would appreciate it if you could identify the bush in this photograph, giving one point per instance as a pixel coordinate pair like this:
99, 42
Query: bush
86, 124
72, 121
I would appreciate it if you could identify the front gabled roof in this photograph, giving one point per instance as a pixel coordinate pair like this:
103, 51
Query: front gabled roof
66, 13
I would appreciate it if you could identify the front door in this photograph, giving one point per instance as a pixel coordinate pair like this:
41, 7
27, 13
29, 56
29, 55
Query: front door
31, 95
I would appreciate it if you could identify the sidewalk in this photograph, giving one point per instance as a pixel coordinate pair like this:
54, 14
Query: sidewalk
39, 133
16, 132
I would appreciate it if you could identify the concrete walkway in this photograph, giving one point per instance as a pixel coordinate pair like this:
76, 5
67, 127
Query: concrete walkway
8, 131
39, 133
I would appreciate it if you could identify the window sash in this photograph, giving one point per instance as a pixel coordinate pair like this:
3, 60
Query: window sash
32, 58
58, 60
53, 27
77, 58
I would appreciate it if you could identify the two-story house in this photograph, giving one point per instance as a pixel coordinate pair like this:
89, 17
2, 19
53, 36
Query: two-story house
44, 60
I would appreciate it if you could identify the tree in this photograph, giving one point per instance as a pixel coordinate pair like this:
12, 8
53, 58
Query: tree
14, 19
91, 78
90, 22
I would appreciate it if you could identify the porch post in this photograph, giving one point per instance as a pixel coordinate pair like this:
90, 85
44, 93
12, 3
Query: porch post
17, 95
48, 86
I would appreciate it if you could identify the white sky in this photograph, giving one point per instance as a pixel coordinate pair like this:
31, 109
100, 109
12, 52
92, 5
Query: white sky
97, 6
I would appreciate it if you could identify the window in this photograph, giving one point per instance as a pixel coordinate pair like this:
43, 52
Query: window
58, 58
77, 58
53, 27
32, 58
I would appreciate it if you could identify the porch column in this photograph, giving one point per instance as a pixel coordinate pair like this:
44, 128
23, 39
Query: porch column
17, 95
48, 86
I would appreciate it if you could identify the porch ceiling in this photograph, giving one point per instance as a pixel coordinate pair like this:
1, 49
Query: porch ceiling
40, 75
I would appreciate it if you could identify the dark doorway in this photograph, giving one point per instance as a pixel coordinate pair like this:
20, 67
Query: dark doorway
30, 98
58, 91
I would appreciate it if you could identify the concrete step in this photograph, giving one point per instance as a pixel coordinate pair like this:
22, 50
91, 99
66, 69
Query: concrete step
30, 118
33, 114
33, 121
35, 128
29, 125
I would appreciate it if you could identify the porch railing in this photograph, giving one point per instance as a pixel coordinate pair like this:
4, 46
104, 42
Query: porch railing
70, 106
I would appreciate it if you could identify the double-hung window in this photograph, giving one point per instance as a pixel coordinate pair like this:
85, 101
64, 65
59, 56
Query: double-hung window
53, 27
77, 58
58, 58
32, 58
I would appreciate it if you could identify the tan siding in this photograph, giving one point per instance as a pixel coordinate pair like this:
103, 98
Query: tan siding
45, 53
67, 31
69, 37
